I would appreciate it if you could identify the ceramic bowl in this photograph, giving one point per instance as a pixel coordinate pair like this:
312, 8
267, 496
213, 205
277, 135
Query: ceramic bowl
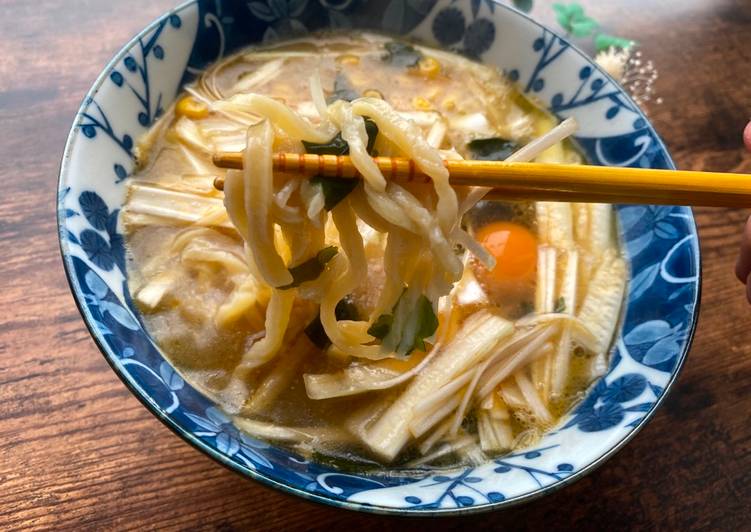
660, 242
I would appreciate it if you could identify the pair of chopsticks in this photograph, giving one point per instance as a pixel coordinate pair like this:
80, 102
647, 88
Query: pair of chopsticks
535, 181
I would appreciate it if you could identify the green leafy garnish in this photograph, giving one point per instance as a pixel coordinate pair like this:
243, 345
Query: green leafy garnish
311, 268
418, 322
572, 18
401, 54
345, 310
491, 149
560, 305
427, 324
603, 42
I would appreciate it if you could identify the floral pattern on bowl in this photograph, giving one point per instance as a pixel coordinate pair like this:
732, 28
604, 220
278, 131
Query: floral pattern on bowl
660, 242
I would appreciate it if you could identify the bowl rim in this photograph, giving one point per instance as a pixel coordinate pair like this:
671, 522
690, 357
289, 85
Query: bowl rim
264, 480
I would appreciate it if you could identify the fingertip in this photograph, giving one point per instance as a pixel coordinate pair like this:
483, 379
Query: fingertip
739, 273
743, 264
747, 136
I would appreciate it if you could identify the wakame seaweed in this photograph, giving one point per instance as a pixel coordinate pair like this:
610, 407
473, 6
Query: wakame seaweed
338, 146
401, 54
345, 310
343, 90
491, 149
311, 268
335, 189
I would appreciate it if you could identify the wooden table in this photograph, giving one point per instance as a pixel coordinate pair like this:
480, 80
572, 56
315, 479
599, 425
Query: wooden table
78, 451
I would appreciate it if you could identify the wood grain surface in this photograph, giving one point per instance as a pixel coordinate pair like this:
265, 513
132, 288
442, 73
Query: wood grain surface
77, 451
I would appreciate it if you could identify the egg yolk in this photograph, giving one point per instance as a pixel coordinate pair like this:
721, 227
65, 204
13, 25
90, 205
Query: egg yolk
515, 250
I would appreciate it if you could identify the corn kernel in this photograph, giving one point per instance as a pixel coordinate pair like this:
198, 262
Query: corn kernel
191, 108
429, 67
421, 104
348, 59
373, 93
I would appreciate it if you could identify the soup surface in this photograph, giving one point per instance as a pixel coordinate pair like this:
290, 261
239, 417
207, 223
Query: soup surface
368, 322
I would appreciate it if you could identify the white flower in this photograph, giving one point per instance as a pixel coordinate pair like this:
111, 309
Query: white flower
628, 68
614, 61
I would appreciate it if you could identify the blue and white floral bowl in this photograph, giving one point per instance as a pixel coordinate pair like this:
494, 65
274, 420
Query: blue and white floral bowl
661, 242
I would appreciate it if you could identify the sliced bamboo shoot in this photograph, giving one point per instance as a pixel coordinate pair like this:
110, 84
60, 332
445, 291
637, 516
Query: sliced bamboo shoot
557, 364
278, 380
601, 235
147, 202
476, 339
545, 298
555, 224
152, 294
602, 304
248, 302
536, 404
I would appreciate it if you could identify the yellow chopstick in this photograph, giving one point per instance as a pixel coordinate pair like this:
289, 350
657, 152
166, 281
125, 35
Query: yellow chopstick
535, 181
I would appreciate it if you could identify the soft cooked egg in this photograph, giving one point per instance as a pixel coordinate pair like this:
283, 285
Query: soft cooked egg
515, 250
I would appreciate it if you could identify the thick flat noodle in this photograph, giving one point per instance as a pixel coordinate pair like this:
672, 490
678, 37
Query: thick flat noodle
257, 193
246, 302
389, 210
354, 133
351, 240
408, 137
365, 212
314, 201
347, 274
197, 253
284, 118
442, 249
277, 320
340, 286
234, 201
305, 240
319, 98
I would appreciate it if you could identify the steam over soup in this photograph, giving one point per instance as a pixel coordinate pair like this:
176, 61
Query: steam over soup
368, 320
